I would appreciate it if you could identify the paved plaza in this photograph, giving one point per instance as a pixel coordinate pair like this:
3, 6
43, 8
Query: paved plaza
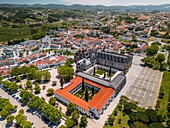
145, 88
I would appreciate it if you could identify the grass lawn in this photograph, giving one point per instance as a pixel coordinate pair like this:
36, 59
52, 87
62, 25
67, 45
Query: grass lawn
111, 75
100, 72
81, 94
14, 33
162, 105
123, 122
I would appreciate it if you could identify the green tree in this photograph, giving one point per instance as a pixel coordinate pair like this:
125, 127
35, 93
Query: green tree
163, 66
13, 87
52, 101
37, 88
76, 116
69, 62
160, 57
26, 96
21, 111
26, 124
16, 71
83, 86
110, 71
153, 49
54, 83
66, 72
86, 95
10, 118
38, 76
156, 125
94, 71
71, 108
50, 92
138, 124
24, 69
61, 82
18, 78
28, 84
83, 122
46, 76
19, 118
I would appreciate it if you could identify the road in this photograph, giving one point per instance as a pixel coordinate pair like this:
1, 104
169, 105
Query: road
32, 118
150, 29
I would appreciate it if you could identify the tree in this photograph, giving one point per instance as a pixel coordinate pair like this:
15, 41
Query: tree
19, 118
86, 95
66, 73
61, 82
70, 123
50, 92
104, 75
54, 83
163, 66
160, 57
37, 88
76, 116
138, 124
69, 62
94, 71
110, 70
18, 78
10, 118
71, 108
21, 111
13, 87
83, 122
156, 125
52, 101
26, 124
152, 115
24, 69
83, 87
28, 84
1, 78
153, 49
26, 96
16, 71
46, 76
38, 76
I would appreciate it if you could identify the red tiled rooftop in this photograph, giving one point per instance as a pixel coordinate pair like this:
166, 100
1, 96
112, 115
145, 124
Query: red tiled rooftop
97, 102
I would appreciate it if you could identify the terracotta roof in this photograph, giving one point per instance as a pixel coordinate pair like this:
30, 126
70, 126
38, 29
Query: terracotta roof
97, 102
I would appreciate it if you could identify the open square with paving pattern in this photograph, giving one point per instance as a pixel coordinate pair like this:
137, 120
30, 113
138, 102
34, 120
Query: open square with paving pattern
145, 88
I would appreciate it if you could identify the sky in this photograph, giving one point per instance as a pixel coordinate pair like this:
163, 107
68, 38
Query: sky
89, 2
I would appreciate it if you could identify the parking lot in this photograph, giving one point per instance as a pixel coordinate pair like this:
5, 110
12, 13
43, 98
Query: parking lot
145, 87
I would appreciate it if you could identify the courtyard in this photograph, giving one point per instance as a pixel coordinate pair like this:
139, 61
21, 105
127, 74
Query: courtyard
81, 94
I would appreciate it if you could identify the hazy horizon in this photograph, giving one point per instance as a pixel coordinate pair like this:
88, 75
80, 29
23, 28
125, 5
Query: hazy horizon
88, 2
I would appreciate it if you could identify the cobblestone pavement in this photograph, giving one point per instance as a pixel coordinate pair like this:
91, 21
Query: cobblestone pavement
145, 88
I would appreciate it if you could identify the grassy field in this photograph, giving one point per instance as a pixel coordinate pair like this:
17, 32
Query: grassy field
14, 33
164, 95
124, 121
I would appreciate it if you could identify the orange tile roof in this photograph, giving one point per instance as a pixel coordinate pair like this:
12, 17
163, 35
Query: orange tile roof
97, 102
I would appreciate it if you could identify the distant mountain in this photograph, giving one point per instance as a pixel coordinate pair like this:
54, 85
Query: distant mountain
164, 7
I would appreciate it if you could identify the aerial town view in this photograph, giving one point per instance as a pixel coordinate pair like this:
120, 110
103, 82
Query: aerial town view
84, 64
